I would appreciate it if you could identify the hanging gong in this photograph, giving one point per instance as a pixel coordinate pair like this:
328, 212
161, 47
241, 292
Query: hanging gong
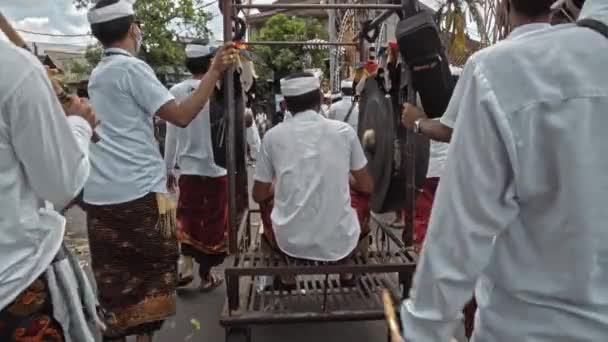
218, 117
389, 159
377, 132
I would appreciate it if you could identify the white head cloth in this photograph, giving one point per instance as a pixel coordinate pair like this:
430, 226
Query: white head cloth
299, 86
121, 9
456, 71
348, 84
197, 50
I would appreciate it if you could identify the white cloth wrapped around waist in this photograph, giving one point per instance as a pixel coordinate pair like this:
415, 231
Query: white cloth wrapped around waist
74, 300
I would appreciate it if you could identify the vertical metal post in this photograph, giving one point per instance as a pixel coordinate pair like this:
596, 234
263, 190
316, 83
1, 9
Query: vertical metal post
411, 7
229, 105
332, 52
362, 51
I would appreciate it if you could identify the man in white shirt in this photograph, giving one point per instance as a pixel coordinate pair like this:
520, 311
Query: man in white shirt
520, 211
253, 135
43, 158
440, 132
202, 210
347, 109
131, 221
310, 160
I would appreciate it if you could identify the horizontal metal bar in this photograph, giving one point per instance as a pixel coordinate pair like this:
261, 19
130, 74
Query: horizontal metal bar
376, 22
261, 318
289, 43
408, 268
319, 6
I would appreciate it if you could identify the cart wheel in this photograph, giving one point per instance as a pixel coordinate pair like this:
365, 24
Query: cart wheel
238, 335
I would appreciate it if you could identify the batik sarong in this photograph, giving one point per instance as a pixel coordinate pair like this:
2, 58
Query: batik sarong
202, 217
29, 318
134, 256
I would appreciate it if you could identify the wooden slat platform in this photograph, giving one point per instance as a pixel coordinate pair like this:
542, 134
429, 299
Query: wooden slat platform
316, 299
319, 295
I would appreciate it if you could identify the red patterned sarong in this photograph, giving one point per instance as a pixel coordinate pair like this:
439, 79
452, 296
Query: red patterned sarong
358, 201
202, 213
424, 205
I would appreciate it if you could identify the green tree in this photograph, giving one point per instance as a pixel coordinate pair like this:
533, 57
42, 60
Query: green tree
283, 60
163, 23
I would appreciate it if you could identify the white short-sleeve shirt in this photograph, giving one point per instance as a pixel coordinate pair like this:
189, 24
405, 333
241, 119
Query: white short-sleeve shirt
339, 111
191, 146
126, 163
310, 158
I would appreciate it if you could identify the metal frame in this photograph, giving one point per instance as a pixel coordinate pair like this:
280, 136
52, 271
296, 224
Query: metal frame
229, 12
319, 6
322, 297
290, 43
240, 239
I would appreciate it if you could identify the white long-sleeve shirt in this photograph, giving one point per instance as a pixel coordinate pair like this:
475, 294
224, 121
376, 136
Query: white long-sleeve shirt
521, 209
191, 147
43, 157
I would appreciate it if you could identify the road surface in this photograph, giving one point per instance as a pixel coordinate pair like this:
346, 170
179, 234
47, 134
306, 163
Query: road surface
206, 309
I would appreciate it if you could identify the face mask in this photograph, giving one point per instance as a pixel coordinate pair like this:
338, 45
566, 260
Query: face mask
138, 41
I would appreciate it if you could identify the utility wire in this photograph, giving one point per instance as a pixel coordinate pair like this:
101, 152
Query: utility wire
88, 34
54, 34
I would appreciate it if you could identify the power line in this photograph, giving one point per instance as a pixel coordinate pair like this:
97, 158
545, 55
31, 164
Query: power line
61, 35
54, 34
208, 4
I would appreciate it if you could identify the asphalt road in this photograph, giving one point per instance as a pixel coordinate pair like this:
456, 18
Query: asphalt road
205, 308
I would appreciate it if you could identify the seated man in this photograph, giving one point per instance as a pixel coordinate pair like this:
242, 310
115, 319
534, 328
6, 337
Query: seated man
304, 168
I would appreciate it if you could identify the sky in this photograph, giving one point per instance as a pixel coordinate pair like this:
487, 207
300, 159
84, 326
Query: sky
60, 17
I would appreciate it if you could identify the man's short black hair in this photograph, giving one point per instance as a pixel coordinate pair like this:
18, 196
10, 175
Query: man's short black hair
532, 8
308, 101
198, 65
111, 31
348, 91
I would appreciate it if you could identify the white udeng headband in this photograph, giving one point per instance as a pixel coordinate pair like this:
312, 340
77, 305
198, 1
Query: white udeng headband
195, 51
348, 84
121, 9
456, 71
299, 86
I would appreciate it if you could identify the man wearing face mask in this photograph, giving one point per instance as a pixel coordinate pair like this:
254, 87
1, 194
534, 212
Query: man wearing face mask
130, 220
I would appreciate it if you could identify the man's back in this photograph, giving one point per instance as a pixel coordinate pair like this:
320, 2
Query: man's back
339, 111
191, 146
126, 163
311, 158
548, 94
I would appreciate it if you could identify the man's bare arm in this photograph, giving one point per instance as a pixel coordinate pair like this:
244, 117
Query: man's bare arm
435, 130
361, 181
262, 192
183, 113
432, 129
